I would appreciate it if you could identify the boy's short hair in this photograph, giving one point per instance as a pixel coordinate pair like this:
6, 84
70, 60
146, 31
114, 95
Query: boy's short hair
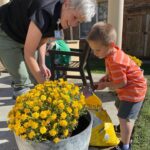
102, 32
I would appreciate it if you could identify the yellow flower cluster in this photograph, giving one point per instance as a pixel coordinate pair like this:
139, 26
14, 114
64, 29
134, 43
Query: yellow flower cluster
136, 60
50, 111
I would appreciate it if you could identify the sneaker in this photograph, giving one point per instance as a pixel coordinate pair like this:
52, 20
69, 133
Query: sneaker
117, 148
19, 92
120, 147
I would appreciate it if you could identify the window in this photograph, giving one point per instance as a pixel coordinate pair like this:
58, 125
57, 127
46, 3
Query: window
101, 15
85, 28
102, 11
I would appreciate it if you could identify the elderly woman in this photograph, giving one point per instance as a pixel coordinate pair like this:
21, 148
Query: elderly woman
25, 26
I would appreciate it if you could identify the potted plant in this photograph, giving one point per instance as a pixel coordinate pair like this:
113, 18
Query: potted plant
136, 60
51, 116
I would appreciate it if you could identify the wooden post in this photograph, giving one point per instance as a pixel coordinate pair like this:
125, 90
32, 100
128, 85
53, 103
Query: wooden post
115, 17
2, 2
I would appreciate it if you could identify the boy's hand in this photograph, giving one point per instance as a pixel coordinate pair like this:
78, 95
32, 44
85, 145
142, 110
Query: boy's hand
101, 86
102, 83
104, 79
95, 86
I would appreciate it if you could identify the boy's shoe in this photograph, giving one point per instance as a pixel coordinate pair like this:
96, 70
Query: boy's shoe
120, 147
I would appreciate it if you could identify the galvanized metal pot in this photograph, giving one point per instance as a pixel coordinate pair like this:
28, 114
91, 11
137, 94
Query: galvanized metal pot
78, 141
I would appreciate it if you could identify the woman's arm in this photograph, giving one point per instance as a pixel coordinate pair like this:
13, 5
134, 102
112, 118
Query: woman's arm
32, 43
42, 53
44, 70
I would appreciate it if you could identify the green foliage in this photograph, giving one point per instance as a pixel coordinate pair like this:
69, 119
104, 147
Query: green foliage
97, 65
146, 68
141, 136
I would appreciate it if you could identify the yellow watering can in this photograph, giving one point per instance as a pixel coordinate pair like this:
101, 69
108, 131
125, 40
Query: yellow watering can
103, 133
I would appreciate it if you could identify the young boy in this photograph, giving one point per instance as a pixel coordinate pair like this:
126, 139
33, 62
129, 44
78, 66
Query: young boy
123, 75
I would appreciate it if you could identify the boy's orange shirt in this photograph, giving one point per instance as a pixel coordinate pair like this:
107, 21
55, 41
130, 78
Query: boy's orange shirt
120, 67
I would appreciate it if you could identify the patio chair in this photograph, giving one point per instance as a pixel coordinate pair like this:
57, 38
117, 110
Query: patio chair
81, 65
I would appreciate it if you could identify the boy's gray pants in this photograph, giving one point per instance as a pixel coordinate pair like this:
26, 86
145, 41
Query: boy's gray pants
11, 56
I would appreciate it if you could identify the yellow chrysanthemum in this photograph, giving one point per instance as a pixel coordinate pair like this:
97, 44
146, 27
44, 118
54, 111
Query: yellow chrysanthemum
43, 97
26, 124
69, 110
53, 132
82, 101
35, 115
24, 136
43, 114
48, 120
48, 111
44, 123
53, 117
56, 140
55, 102
61, 106
10, 126
80, 106
73, 93
56, 95
43, 130
31, 135
24, 116
26, 110
30, 123
68, 87
63, 115
18, 114
55, 125
35, 125
22, 130
49, 99
37, 94
67, 98
36, 108
66, 132
76, 112
20, 106
75, 104
63, 123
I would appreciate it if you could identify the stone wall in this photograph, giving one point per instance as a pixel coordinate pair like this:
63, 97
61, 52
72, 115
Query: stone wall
1, 67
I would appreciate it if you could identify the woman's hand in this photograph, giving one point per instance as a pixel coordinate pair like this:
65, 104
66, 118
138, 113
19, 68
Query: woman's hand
46, 73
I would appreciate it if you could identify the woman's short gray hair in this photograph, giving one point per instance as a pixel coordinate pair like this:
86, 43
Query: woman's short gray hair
86, 7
